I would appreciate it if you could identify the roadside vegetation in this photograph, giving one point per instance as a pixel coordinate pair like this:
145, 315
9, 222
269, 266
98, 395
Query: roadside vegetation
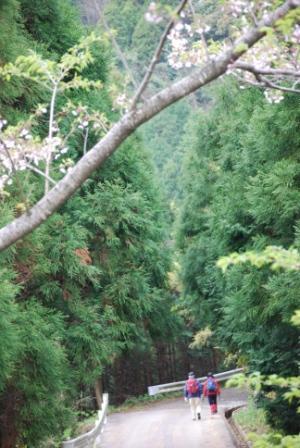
252, 419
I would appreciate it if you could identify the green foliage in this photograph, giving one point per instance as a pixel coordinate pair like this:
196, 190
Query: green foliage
40, 377
123, 18
137, 37
9, 333
53, 24
138, 40
163, 135
241, 187
89, 284
50, 27
142, 400
13, 39
253, 422
252, 418
274, 439
49, 73
276, 257
34, 374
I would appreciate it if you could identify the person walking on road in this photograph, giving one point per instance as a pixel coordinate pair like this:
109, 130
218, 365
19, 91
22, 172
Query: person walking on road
192, 393
211, 390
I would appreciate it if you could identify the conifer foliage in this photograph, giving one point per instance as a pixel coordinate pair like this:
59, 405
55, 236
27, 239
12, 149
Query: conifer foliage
90, 284
241, 189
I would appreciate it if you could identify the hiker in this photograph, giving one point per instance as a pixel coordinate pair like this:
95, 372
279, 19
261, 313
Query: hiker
192, 393
211, 389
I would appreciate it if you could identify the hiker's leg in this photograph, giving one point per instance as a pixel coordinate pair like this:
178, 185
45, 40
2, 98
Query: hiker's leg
198, 407
193, 406
211, 404
214, 403
198, 404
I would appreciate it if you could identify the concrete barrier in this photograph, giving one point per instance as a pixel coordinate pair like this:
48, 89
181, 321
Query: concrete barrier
172, 387
91, 438
239, 437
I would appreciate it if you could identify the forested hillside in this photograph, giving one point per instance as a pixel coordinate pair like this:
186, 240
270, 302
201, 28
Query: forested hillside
241, 192
121, 287
138, 39
89, 288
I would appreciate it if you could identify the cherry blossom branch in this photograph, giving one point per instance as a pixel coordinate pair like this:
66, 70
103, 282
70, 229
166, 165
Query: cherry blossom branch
156, 55
13, 167
37, 171
265, 71
262, 81
86, 135
27, 165
96, 156
14, 170
272, 85
203, 39
50, 134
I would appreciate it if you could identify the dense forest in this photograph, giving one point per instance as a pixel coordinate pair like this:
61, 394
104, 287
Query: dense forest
120, 288
241, 189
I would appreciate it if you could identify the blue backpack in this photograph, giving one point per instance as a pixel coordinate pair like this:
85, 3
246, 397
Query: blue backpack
211, 385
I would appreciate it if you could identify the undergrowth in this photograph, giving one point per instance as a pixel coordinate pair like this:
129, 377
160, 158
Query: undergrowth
142, 400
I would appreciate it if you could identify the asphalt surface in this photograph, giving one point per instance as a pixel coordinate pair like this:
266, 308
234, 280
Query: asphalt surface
169, 424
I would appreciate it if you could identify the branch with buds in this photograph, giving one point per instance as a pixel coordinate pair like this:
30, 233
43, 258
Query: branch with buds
55, 77
274, 62
278, 79
19, 150
158, 50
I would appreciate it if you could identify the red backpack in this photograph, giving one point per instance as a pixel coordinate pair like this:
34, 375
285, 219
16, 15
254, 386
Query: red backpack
192, 386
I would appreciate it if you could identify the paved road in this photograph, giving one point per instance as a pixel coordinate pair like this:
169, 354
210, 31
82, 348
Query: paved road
168, 424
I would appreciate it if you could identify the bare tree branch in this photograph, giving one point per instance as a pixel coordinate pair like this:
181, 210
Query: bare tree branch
86, 135
262, 81
115, 44
192, 7
50, 133
118, 50
156, 55
267, 83
13, 167
203, 39
37, 171
247, 81
265, 71
27, 222
14, 170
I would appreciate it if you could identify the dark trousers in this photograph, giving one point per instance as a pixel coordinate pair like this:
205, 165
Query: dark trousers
212, 399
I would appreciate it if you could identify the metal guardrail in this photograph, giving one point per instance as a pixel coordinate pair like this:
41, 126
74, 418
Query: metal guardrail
91, 438
172, 387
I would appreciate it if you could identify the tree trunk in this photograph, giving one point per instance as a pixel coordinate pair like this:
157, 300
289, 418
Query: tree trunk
9, 411
99, 392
